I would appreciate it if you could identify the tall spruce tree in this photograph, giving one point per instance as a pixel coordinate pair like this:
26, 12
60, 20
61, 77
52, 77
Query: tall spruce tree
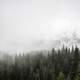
75, 63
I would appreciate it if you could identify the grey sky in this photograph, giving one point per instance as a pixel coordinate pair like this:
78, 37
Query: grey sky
24, 22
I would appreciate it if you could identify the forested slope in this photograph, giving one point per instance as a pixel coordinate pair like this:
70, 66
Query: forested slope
63, 64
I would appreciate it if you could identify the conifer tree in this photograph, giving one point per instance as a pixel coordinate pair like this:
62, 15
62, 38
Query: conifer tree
75, 63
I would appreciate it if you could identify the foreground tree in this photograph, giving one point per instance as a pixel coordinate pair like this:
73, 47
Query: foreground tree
61, 76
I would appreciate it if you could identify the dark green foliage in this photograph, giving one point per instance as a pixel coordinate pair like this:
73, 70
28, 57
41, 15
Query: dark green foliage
63, 64
75, 63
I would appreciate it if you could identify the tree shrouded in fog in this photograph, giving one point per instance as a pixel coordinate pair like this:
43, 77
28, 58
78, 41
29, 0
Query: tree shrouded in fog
60, 64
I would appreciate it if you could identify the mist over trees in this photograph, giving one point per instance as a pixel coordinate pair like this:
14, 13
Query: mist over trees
60, 64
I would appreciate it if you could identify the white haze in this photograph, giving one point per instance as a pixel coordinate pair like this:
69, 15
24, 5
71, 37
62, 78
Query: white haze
28, 24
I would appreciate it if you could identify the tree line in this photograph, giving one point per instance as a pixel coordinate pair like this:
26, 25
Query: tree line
60, 64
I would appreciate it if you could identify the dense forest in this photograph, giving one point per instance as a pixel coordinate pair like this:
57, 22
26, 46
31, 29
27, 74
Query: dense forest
60, 64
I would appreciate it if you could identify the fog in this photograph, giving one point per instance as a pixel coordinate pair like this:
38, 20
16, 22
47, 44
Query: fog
26, 24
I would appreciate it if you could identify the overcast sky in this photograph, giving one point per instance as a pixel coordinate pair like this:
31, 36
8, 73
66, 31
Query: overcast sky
25, 22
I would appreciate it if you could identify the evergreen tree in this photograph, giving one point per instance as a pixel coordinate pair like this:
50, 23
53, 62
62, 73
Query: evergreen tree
75, 63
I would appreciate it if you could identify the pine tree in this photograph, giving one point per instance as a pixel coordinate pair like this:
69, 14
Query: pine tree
75, 63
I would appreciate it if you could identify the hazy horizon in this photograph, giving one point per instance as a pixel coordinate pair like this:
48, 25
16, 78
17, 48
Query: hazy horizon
26, 24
